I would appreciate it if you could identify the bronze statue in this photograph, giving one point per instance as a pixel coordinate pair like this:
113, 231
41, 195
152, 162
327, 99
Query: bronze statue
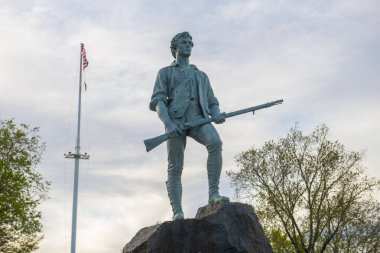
185, 103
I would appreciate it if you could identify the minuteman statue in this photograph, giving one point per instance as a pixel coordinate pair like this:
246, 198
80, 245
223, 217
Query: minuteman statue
182, 93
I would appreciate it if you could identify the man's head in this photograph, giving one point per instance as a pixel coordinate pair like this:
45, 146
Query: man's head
178, 40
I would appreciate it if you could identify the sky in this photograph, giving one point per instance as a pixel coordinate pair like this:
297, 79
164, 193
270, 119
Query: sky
321, 57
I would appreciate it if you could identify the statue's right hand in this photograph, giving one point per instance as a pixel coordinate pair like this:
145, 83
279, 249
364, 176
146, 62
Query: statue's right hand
173, 130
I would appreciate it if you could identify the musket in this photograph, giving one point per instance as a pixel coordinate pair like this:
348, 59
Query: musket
154, 142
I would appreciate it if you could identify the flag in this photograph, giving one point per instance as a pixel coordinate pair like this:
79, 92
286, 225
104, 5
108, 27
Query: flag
84, 57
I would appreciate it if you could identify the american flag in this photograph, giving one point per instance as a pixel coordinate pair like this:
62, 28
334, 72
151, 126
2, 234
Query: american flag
84, 57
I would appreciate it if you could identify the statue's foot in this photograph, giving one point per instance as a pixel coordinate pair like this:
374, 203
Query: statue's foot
217, 198
178, 216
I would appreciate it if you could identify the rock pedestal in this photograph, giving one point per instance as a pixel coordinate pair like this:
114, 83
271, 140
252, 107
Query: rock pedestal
219, 228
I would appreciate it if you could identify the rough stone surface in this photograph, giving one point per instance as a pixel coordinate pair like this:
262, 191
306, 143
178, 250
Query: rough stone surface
220, 228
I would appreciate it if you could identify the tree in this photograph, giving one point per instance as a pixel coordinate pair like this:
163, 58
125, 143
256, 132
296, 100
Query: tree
312, 190
22, 187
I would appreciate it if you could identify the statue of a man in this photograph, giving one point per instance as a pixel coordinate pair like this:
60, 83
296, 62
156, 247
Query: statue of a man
182, 93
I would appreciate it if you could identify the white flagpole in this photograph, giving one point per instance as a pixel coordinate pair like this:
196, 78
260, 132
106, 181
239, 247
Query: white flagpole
77, 155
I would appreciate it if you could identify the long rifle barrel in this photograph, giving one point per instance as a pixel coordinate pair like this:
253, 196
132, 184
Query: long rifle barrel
254, 108
154, 142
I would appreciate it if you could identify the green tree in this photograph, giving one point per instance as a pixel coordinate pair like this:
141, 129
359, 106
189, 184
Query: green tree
312, 190
279, 241
22, 187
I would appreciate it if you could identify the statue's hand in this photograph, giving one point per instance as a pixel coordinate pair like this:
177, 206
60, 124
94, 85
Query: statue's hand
219, 118
173, 130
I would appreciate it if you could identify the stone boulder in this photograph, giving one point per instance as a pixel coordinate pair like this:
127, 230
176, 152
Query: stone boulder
219, 228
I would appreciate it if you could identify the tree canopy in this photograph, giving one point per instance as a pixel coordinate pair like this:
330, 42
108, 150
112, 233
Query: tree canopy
22, 187
311, 194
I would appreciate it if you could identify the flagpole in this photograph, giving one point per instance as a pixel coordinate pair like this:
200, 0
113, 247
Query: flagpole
77, 156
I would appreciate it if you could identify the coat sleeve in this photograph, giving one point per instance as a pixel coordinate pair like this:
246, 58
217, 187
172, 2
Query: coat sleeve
211, 99
160, 90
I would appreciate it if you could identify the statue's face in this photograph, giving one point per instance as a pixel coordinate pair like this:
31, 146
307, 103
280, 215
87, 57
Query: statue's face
184, 47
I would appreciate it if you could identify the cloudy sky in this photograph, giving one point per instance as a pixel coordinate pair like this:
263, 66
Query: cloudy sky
321, 57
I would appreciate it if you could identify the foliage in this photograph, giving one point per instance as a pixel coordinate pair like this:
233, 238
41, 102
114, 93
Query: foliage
279, 241
22, 187
313, 191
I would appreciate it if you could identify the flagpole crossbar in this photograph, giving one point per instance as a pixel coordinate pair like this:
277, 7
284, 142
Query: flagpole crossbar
77, 156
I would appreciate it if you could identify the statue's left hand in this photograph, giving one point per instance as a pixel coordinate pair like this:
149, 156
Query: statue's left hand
219, 118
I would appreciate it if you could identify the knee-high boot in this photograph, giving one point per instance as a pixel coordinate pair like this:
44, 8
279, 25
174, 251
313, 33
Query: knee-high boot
175, 197
214, 168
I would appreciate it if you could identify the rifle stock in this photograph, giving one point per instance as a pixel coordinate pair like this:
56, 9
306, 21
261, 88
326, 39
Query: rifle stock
156, 141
